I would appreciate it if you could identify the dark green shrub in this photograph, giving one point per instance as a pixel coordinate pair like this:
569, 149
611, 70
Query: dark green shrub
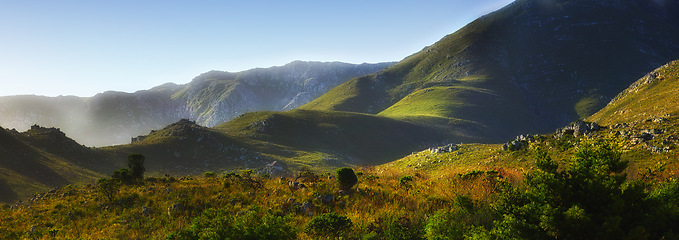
209, 175
405, 180
587, 200
123, 175
251, 225
108, 187
135, 162
346, 178
328, 225
467, 219
135, 171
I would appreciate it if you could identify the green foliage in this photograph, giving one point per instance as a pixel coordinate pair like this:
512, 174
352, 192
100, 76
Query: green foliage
405, 180
328, 225
346, 178
589, 199
251, 225
135, 162
135, 171
209, 175
394, 226
466, 219
108, 188
123, 175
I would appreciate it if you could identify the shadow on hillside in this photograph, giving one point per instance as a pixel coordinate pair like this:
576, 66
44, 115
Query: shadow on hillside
7, 195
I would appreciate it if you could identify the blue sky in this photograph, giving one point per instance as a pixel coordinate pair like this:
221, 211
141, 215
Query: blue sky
85, 47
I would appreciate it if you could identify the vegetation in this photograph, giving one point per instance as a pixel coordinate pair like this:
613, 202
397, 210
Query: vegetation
346, 178
328, 225
135, 171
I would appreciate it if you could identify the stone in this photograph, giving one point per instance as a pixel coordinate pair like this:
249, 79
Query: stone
308, 208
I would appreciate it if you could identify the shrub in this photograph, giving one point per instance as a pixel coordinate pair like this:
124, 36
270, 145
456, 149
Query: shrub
588, 199
393, 226
346, 178
251, 225
123, 175
209, 174
108, 188
328, 225
135, 162
135, 171
405, 180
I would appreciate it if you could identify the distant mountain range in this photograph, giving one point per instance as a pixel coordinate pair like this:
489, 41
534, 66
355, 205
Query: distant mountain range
211, 98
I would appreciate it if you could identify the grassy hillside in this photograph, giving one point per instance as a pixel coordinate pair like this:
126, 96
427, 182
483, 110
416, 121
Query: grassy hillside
463, 191
321, 140
529, 67
41, 159
655, 96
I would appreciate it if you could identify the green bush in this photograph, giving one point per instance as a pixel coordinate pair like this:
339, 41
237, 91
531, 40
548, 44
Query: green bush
209, 175
405, 180
467, 219
135, 171
251, 225
328, 225
393, 226
346, 178
108, 187
589, 199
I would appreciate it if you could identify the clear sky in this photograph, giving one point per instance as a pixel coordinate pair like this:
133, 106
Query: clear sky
81, 48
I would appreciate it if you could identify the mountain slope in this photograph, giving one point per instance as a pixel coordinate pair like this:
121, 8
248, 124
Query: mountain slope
44, 158
286, 141
211, 99
531, 66
655, 96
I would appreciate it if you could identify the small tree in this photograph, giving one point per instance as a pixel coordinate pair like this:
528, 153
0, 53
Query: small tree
136, 164
346, 178
328, 225
108, 187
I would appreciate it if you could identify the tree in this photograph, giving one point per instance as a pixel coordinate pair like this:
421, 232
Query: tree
108, 188
588, 199
135, 162
346, 178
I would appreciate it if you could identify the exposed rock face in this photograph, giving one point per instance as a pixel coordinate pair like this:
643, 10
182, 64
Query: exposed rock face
520, 142
210, 99
578, 128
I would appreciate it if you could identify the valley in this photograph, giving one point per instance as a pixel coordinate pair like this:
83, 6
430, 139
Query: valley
541, 120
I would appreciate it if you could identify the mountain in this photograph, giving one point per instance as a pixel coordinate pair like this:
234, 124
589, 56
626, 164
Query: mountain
653, 97
529, 67
211, 98
44, 158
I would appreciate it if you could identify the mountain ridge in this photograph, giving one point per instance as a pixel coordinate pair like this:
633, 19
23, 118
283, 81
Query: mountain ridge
211, 98
552, 62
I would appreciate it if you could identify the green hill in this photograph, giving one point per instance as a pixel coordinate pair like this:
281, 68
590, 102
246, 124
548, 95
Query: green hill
44, 158
321, 140
655, 96
531, 66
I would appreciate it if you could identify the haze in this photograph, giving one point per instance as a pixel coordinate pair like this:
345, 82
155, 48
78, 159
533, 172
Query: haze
85, 47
